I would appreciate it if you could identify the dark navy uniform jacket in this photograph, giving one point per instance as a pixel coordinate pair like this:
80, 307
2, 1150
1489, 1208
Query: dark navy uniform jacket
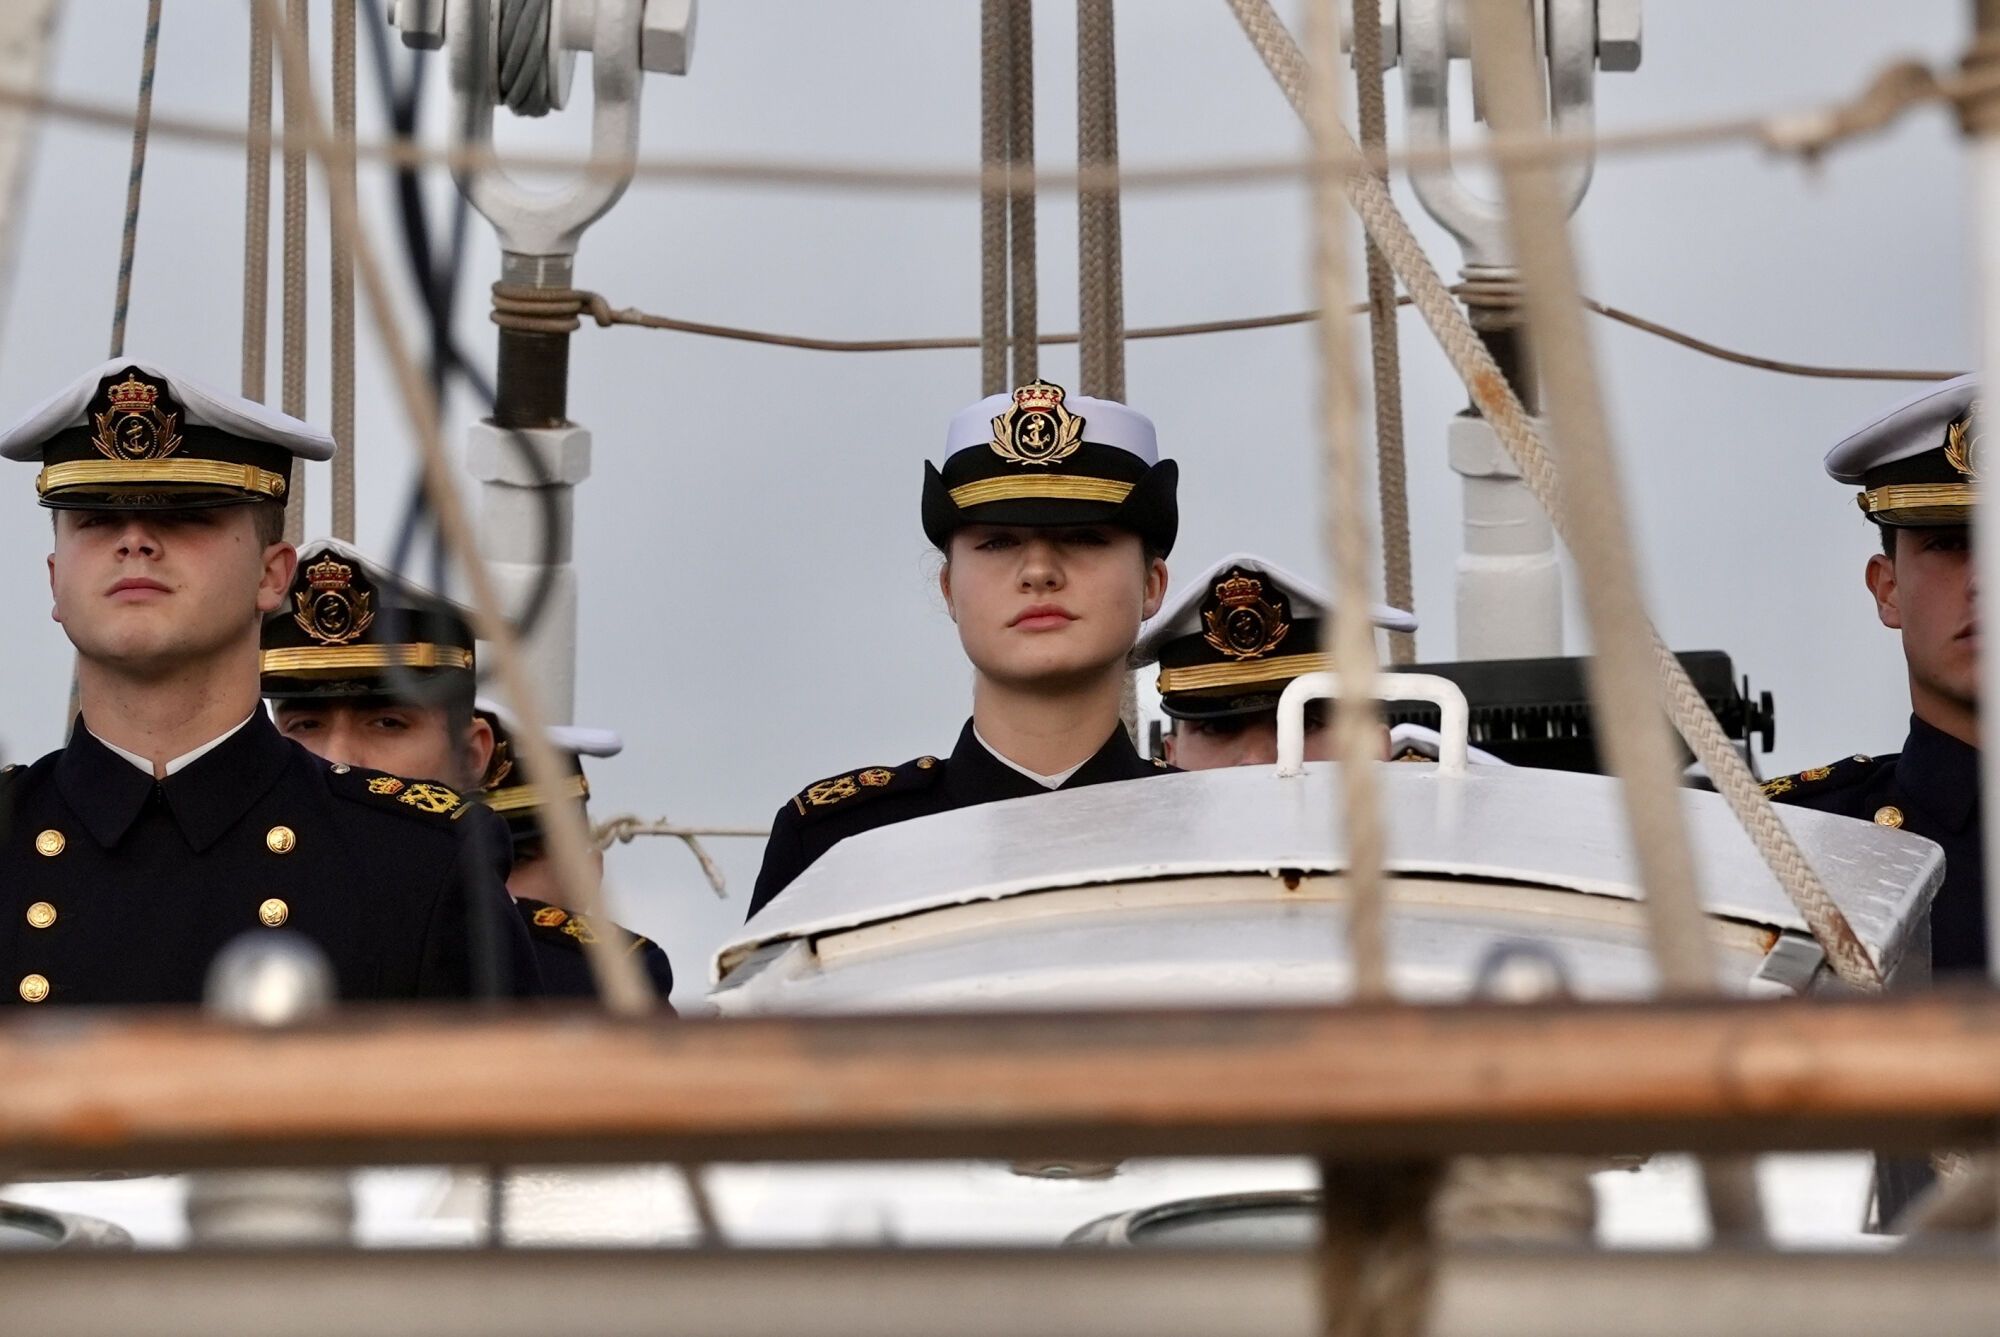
558, 936
119, 888
1930, 788
823, 814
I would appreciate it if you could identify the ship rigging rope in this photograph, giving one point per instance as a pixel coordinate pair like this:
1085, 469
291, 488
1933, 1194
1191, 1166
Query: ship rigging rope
1344, 539
621, 983
1502, 409
142, 120
257, 209
524, 57
1099, 232
340, 178
1391, 475
993, 79
292, 314
1623, 685
1023, 285
1808, 133
525, 307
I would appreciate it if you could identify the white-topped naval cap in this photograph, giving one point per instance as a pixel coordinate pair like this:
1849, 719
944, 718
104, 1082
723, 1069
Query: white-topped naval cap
1409, 742
203, 405
1106, 422
380, 570
575, 739
1180, 615
1910, 428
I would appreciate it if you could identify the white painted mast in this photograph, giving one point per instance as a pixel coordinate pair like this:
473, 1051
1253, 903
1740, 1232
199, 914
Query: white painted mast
1509, 582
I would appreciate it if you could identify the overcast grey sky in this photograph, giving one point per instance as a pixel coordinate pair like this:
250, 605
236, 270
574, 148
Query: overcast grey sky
757, 603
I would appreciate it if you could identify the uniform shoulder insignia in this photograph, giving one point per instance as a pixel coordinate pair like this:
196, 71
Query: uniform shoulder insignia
1819, 779
845, 790
393, 791
566, 927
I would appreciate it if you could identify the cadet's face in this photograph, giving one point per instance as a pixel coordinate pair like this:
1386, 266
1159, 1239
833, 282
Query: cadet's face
148, 592
1041, 605
1247, 740
1930, 592
414, 741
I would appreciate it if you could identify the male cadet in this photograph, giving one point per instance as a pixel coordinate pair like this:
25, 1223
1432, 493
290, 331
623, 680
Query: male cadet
553, 922
177, 818
1916, 466
365, 668
1228, 643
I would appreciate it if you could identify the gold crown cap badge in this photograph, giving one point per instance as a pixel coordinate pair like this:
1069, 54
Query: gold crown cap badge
1038, 428
133, 426
331, 609
1240, 621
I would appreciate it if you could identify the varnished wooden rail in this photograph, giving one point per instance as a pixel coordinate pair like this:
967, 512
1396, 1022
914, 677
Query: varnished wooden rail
139, 1091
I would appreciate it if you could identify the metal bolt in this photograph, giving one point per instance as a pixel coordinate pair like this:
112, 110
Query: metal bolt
1619, 28
666, 36
420, 21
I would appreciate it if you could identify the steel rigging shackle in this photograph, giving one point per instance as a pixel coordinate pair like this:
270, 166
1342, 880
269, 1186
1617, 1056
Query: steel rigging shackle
489, 42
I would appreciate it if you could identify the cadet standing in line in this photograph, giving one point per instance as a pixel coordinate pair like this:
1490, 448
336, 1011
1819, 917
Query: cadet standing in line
1228, 644
177, 818
1055, 515
1916, 466
555, 924
365, 668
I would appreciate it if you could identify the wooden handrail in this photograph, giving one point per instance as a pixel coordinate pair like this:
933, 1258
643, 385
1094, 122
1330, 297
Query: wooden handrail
380, 1086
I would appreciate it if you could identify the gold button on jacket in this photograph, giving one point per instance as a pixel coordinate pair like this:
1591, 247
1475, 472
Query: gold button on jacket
273, 913
50, 843
41, 914
280, 840
34, 988
1888, 815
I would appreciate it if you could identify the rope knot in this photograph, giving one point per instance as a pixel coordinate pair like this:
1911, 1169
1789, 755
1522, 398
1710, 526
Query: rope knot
537, 310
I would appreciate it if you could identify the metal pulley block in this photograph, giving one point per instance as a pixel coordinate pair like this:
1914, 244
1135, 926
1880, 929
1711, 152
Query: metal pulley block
1423, 37
532, 44
521, 54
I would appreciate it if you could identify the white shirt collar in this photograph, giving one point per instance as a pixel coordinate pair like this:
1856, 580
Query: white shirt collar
184, 759
1055, 781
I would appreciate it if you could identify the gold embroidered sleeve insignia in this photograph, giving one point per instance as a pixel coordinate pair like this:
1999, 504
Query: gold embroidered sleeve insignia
580, 930
550, 916
832, 791
1816, 773
876, 776
430, 797
385, 784
1784, 784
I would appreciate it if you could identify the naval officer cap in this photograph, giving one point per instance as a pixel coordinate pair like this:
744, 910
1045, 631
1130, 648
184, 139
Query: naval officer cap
131, 435
1916, 464
351, 628
1229, 641
505, 787
1042, 456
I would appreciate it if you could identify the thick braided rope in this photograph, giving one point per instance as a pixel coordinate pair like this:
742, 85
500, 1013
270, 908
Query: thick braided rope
995, 83
257, 210
292, 357
1100, 296
142, 124
1502, 410
1622, 683
1391, 472
1021, 188
1345, 539
341, 279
